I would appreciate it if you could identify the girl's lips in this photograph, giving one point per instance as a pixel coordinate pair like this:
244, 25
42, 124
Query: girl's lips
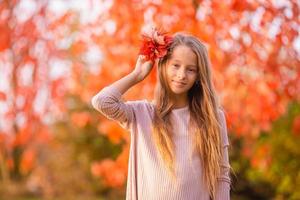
178, 83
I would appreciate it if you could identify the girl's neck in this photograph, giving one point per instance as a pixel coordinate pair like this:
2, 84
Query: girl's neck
180, 102
179, 106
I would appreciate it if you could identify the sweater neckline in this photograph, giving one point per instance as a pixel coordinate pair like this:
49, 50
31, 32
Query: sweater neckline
176, 110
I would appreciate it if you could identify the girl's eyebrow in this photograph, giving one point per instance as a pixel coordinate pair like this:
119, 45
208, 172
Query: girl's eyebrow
191, 65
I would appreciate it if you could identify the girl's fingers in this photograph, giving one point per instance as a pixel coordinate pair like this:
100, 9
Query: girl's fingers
142, 57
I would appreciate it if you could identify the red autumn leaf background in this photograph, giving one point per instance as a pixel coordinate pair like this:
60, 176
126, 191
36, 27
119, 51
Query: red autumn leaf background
55, 55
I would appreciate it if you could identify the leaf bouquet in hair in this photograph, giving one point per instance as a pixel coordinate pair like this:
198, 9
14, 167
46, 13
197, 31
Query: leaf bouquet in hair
155, 44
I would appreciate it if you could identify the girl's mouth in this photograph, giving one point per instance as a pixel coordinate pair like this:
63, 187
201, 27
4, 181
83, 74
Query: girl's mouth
179, 84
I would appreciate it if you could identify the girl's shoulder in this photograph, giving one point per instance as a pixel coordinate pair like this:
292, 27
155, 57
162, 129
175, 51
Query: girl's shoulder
139, 110
221, 111
222, 118
141, 106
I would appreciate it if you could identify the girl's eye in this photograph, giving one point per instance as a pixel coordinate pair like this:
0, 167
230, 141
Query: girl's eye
175, 65
191, 70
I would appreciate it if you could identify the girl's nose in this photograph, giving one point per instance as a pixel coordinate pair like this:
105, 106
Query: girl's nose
181, 74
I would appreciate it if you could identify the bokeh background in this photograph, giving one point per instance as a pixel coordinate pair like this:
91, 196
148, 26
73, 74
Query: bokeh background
55, 55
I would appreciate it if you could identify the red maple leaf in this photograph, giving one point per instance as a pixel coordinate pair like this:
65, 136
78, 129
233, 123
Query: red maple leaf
155, 44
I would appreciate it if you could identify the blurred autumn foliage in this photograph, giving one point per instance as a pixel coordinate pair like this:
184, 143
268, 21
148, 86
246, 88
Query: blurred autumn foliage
54, 56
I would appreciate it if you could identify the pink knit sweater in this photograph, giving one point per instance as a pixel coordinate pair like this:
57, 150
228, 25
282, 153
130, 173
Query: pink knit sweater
147, 175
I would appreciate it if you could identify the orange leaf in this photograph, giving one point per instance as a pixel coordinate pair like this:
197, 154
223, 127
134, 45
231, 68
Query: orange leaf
80, 119
296, 126
2, 96
27, 161
4, 38
116, 178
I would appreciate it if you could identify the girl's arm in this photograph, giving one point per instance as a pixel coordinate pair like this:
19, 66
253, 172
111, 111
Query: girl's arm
108, 100
142, 69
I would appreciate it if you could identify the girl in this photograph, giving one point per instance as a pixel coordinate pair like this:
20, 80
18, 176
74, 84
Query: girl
179, 143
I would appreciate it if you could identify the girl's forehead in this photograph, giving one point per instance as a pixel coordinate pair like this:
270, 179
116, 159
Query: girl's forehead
185, 54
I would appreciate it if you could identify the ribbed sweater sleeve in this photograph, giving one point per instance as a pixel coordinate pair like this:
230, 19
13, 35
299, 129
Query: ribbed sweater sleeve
223, 188
108, 102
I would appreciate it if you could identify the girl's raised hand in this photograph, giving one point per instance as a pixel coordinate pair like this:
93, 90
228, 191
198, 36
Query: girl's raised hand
143, 67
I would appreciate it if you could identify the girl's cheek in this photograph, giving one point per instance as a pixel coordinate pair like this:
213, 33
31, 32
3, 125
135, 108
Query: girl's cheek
173, 72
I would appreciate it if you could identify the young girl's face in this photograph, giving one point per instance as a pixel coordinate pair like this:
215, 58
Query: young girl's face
181, 70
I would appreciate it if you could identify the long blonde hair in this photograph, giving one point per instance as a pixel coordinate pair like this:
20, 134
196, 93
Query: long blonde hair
203, 105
